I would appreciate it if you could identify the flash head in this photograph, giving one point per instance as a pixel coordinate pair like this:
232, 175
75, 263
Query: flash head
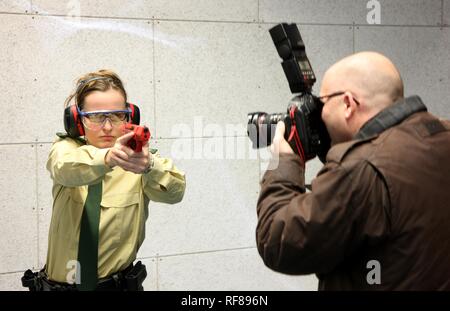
296, 66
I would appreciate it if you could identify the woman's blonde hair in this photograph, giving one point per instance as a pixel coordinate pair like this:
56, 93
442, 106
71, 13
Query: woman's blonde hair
101, 80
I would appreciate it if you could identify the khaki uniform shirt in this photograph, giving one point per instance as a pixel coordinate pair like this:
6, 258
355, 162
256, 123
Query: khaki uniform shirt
124, 206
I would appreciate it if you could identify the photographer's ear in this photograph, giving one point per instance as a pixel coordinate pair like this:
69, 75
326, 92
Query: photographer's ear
350, 105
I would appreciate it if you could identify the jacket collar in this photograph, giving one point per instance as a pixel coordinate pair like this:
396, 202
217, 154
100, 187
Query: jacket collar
65, 135
391, 116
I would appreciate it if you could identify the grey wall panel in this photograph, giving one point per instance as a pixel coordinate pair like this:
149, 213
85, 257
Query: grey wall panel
412, 12
18, 219
218, 210
11, 282
17, 82
312, 168
45, 200
217, 10
226, 270
421, 55
15, 6
211, 70
304, 11
61, 51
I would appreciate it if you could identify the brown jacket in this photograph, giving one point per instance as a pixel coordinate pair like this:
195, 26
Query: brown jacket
383, 196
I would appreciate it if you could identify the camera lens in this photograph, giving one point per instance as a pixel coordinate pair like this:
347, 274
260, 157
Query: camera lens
261, 127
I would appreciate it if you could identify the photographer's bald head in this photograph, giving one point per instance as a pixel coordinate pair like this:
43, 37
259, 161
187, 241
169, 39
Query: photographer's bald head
369, 82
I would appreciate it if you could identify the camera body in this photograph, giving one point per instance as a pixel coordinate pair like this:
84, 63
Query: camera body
305, 130
140, 137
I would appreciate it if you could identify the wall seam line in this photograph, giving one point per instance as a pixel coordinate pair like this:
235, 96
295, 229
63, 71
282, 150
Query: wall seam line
223, 22
154, 76
25, 143
159, 257
157, 272
13, 272
37, 203
259, 17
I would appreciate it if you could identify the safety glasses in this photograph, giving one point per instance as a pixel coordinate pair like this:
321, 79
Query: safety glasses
96, 120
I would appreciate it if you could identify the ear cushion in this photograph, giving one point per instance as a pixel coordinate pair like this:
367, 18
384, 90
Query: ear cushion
72, 122
135, 114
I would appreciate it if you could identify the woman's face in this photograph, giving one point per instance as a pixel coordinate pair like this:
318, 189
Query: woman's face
105, 136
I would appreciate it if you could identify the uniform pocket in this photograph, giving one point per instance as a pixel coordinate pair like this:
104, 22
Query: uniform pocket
118, 213
66, 215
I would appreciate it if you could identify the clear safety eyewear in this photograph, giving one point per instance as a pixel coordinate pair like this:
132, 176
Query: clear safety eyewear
96, 120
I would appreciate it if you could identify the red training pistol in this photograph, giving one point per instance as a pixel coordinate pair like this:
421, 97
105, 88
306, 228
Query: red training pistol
140, 137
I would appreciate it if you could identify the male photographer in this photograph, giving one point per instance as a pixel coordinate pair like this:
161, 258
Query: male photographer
381, 203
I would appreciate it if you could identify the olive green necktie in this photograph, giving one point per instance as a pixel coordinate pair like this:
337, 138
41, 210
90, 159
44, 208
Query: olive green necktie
88, 242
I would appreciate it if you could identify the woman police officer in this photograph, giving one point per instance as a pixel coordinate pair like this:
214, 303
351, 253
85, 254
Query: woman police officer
101, 170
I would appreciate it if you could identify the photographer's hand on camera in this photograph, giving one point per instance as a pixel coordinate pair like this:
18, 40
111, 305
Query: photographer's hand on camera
280, 145
123, 156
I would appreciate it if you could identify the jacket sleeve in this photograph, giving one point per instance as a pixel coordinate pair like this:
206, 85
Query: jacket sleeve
71, 164
164, 183
303, 233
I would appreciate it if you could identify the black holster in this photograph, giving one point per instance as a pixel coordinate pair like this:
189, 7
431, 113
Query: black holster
32, 280
135, 277
38, 282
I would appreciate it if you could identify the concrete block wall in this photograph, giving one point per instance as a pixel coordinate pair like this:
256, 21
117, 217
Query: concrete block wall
200, 66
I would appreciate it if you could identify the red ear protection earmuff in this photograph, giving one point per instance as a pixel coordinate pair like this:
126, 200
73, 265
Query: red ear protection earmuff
135, 115
74, 127
72, 122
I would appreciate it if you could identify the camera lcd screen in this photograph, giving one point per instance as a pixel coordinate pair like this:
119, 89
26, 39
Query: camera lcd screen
304, 66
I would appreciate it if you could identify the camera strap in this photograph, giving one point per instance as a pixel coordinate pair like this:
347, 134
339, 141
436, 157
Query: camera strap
294, 134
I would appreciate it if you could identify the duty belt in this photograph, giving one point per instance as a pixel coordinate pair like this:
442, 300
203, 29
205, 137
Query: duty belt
129, 279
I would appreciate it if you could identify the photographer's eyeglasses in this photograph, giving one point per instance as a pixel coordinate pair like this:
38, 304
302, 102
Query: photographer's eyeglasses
96, 120
328, 97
